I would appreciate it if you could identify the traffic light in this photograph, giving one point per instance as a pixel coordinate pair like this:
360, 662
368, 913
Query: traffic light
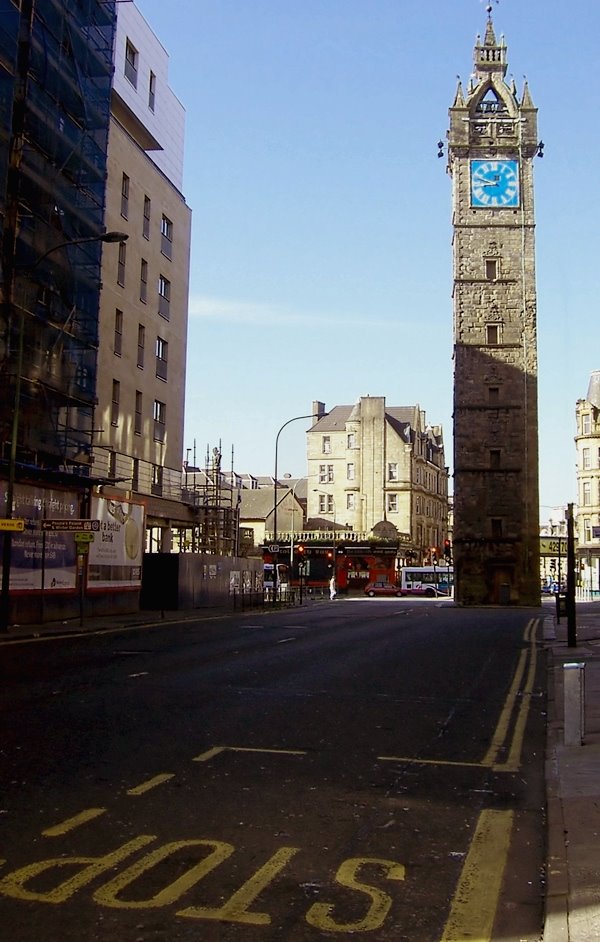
300, 549
340, 549
448, 550
434, 554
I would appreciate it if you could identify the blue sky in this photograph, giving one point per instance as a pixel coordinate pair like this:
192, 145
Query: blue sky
321, 249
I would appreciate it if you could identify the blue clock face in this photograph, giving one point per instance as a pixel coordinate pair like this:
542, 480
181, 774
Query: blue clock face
494, 183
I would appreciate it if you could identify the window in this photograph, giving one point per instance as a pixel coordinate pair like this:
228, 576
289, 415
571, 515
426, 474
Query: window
325, 473
124, 197
351, 440
326, 503
350, 471
140, 345
392, 503
116, 395
493, 394
326, 445
587, 530
146, 220
494, 458
585, 424
586, 493
418, 505
118, 336
164, 297
157, 480
392, 471
152, 91
166, 237
160, 418
585, 459
135, 474
162, 351
496, 526
144, 280
121, 264
350, 501
492, 334
491, 269
138, 418
131, 62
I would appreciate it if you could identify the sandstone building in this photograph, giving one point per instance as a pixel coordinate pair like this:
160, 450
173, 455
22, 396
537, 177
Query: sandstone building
492, 141
370, 464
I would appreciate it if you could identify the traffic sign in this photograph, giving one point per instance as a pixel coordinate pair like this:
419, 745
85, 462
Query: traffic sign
16, 524
70, 526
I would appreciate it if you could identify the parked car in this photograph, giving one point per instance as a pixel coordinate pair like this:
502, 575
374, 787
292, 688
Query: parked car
382, 588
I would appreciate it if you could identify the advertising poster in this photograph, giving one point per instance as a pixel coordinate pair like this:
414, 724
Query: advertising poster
115, 556
42, 560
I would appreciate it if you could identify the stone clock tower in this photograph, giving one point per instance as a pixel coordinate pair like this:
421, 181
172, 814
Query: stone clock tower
492, 142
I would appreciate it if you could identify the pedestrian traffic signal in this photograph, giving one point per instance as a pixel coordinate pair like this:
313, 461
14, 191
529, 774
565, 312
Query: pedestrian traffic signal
434, 554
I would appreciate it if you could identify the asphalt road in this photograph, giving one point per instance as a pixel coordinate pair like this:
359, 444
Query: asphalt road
368, 769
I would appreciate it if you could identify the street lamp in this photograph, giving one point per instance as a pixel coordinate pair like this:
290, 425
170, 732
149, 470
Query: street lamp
111, 236
295, 419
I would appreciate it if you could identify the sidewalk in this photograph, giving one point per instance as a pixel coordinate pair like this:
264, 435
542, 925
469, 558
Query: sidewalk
99, 624
573, 788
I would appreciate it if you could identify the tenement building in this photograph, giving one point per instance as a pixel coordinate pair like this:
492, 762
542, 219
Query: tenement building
587, 440
370, 464
492, 141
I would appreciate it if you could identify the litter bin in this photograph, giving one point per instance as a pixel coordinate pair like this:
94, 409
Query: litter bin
561, 605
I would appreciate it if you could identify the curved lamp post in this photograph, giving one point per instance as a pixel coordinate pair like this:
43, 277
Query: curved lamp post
295, 419
12, 461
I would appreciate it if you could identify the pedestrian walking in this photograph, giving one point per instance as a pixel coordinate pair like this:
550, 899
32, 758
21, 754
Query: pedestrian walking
332, 592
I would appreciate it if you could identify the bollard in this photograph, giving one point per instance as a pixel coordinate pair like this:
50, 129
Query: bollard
574, 703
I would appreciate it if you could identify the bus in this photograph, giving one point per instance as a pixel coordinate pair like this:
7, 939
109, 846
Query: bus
426, 580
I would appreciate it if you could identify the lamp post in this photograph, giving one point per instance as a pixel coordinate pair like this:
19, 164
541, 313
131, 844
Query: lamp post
295, 419
275, 482
12, 461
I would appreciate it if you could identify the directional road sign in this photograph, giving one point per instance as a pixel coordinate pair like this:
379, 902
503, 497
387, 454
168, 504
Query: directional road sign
15, 524
71, 526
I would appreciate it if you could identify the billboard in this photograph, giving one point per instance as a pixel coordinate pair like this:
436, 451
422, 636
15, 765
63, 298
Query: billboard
116, 553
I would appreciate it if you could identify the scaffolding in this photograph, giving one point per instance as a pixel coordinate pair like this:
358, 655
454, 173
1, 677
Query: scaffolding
214, 498
55, 89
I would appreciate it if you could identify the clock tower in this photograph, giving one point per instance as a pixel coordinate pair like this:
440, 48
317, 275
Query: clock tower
492, 141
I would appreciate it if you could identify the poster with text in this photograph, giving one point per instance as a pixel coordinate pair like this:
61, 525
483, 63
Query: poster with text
41, 560
115, 556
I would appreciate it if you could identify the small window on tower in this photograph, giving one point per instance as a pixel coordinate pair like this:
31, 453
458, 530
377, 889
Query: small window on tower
492, 334
496, 524
493, 394
491, 269
494, 458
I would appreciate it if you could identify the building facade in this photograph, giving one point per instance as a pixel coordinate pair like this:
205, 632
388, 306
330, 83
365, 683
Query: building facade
492, 141
138, 441
587, 519
370, 464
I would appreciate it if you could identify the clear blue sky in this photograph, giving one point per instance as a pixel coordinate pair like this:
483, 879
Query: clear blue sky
321, 249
